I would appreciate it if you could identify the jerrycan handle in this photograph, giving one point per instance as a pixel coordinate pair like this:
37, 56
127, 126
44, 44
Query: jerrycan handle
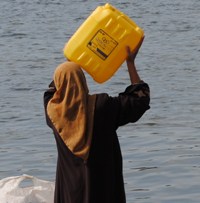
109, 6
125, 17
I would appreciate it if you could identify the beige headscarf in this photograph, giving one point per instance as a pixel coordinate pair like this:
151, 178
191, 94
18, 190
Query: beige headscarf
71, 109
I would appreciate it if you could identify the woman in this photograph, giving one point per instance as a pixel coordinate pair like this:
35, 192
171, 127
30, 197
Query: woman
89, 165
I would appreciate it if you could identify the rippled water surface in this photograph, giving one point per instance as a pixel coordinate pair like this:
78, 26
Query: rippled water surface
162, 151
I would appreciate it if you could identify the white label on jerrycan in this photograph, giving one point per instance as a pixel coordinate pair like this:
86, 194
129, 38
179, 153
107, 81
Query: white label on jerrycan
102, 44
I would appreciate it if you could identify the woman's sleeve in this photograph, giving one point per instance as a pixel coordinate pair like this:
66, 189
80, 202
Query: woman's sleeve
133, 103
48, 94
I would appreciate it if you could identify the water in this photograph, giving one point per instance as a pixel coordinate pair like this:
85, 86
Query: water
161, 152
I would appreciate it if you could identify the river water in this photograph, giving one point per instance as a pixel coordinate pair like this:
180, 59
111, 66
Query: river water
162, 150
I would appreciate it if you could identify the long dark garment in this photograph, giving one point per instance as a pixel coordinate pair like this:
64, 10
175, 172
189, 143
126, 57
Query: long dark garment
100, 179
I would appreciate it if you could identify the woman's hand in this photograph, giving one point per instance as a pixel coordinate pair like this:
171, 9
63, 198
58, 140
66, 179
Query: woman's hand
134, 76
132, 54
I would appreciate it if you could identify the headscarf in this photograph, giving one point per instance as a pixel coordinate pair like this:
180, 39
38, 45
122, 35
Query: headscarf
71, 109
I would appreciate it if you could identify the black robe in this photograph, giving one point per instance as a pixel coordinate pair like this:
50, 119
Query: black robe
100, 178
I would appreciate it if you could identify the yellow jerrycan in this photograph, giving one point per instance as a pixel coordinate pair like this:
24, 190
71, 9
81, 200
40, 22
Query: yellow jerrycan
98, 45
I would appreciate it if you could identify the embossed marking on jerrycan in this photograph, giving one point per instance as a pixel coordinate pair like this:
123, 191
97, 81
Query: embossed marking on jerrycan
98, 45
